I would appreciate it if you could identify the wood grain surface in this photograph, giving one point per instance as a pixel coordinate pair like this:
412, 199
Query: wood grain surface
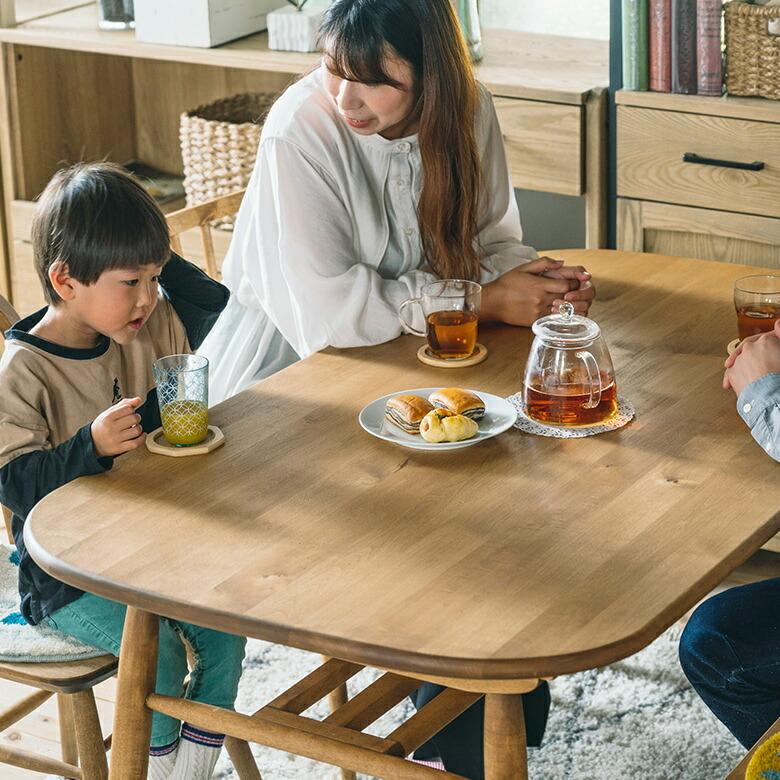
521, 557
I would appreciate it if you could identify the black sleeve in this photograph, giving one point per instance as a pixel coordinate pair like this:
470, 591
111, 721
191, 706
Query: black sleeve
25, 480
197, 299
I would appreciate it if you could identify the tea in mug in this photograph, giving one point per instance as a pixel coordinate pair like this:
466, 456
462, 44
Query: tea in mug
185, 422
452, 335
755, 319
567, 405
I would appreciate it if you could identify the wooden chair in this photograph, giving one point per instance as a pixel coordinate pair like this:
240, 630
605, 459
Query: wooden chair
201, 216
738, 773
81, 739
82, 744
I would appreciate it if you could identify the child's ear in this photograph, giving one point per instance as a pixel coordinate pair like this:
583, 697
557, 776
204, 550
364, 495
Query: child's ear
61, 281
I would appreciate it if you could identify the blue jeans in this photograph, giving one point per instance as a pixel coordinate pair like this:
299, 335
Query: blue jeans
460, 743
730, 653
218, 656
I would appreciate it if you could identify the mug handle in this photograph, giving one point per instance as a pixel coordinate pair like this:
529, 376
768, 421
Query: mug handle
594, 379
406, 303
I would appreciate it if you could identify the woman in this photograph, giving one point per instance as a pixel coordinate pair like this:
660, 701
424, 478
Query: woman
377, 173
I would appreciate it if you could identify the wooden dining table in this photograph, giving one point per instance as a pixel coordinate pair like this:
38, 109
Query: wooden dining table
487, 568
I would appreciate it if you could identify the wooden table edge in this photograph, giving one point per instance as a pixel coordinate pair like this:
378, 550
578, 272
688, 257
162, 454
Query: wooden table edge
491, 671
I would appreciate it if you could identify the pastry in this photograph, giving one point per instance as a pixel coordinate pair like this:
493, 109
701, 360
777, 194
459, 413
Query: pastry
406, 411
442, 425
459, 402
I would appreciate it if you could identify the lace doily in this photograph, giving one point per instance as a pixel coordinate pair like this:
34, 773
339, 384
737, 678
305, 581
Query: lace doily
624, 415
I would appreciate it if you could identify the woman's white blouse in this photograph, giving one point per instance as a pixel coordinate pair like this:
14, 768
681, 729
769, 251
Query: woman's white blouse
326, 244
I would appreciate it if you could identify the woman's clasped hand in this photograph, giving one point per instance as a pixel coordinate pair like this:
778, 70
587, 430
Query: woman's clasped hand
532, 290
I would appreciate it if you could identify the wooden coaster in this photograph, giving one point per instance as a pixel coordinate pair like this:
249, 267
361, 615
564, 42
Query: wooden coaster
159, 445
732, 345
424, 355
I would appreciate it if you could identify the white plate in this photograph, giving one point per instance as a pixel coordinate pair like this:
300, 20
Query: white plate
500, 415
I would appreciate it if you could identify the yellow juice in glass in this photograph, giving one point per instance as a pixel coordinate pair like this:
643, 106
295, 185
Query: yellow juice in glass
185, 422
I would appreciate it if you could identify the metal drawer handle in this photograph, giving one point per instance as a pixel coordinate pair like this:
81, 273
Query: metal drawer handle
691, 157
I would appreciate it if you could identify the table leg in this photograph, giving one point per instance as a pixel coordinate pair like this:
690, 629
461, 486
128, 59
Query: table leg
505, 753
132, 718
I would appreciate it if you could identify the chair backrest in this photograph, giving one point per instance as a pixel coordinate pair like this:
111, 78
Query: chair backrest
201, 216
8, 317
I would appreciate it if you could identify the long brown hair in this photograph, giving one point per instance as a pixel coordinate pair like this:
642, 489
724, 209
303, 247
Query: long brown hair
427, 35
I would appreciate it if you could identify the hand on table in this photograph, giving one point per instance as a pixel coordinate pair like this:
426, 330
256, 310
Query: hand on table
118, 429
756, 356
532, 290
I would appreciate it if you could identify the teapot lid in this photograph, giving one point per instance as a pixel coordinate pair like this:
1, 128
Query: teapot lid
566, 327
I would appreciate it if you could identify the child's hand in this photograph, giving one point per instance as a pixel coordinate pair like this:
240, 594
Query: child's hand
118, 429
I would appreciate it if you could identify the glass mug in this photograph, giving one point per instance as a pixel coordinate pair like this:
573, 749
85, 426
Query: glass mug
757, 301
183, 395
451, 310
569, 378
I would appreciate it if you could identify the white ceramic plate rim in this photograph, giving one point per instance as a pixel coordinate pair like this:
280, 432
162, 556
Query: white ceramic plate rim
499, 414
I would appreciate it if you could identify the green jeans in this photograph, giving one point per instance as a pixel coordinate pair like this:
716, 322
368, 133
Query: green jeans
218, 656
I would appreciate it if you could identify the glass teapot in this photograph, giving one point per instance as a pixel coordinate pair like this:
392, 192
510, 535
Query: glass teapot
569, 378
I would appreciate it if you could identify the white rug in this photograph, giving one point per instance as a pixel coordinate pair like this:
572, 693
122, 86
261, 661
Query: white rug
636, 719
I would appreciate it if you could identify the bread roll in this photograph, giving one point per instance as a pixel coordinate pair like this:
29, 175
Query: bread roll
406, 411
459, 402
459, 427
442, 425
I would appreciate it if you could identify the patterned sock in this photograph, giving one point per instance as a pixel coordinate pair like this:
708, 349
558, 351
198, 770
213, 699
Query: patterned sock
162, 759
197, 755
435, 763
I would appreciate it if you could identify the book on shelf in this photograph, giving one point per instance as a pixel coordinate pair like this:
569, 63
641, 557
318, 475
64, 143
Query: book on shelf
684, 47
709, 59
660, 45
635, 44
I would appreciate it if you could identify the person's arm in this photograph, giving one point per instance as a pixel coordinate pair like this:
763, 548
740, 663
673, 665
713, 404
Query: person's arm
196, 298
299, 253
753, 373
26, 479
519, 286
759, 406
500, 233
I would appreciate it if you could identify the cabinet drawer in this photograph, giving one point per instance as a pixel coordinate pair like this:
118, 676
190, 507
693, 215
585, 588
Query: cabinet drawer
543, 143
668, 229
650, 150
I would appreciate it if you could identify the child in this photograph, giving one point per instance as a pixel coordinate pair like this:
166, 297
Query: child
76, 391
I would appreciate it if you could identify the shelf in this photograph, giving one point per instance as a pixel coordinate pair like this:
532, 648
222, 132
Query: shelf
522, 65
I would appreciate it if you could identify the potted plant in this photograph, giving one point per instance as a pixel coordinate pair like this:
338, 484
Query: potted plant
294, 28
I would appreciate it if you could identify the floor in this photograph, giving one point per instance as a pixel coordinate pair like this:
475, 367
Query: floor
39, 731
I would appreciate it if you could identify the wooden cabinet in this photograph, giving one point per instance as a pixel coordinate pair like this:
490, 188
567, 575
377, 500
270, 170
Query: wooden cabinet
74, 92
699, 177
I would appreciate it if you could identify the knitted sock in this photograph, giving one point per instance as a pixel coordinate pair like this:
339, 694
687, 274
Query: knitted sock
197, 755
162, 759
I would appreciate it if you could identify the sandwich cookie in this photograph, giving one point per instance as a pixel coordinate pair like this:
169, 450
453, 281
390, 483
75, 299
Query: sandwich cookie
459, 401
407, 412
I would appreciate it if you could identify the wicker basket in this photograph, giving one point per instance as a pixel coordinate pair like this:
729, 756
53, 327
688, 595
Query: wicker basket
219, 143
752, 53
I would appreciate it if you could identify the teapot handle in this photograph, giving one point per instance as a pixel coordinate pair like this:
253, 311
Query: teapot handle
594, 379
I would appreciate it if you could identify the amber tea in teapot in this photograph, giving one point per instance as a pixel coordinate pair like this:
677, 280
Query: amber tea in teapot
569, 405
569, 378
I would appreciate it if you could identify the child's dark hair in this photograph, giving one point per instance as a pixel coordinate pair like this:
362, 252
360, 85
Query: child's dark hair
96, 217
